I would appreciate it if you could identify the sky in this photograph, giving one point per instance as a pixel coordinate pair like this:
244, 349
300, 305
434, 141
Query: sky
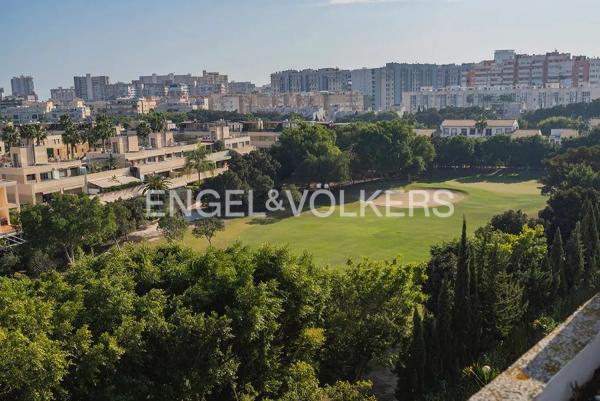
249, 39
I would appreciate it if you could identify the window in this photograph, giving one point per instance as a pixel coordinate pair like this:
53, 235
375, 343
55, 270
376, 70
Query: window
463, 131
30, 177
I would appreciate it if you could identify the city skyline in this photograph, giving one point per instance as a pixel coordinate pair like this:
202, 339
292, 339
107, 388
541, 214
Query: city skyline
245, 41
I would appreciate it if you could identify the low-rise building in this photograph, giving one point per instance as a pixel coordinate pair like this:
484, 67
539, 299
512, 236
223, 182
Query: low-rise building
526, 133
471, 128
557, 135
9, 199
263, 139
41, 170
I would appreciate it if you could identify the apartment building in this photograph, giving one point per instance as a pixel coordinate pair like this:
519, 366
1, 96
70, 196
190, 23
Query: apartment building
309, 80
159, 85
101, 173
241, 87
510, 99
91, 88
387, 84
63, 95
128, 107
22, 86
470, 128
29, 112
120, 90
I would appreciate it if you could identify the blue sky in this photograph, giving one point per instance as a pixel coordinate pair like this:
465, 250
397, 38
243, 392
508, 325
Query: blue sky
249, 39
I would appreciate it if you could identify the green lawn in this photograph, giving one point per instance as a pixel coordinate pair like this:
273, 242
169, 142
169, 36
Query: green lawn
334, 239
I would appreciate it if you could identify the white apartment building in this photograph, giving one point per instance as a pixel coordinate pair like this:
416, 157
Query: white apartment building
522, 98
37, 111
469, 128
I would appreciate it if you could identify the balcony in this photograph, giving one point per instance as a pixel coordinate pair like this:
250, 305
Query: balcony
549, 371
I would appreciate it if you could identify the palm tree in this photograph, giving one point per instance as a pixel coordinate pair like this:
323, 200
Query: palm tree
71, 136
88, 134
34, 132
156, 182
481, 124
197, 160
104, 129
143, 130
10, 137
158, 122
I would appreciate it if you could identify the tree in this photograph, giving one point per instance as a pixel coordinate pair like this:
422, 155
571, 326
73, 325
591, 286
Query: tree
158, 122
218, 146
309, 154
68, 223
143, 130
511, 221
444, 327
208, 228
197, 161
575, 260
557, 262
10, 137
33, 133
481, 124
591, 244
103, 129
369, 312
156, 182
71, 135
411, 373
172, 226
462, 302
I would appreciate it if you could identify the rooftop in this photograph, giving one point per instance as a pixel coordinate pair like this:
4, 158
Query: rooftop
471, 123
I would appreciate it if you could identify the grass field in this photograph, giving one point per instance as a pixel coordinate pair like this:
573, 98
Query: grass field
335, 239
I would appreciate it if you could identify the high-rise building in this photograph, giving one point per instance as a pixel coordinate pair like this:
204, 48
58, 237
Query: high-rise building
91, 88
509, 68
120, 90
1, 93
304, 81
22, 86
389, 82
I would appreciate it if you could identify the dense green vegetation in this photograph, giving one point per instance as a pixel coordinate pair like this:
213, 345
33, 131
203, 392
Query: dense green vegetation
169, 323
82, 317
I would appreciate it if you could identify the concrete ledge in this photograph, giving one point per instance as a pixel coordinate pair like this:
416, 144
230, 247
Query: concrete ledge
568, 355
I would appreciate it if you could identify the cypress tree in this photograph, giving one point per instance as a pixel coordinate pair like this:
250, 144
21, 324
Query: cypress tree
575, 260
557, 261
432, 343
444, 327
591, 244
411, 375
475, 305
462, 312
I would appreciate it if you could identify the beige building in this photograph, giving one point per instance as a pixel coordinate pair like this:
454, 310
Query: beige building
128, 107
117, 172
263, 139
8, 190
